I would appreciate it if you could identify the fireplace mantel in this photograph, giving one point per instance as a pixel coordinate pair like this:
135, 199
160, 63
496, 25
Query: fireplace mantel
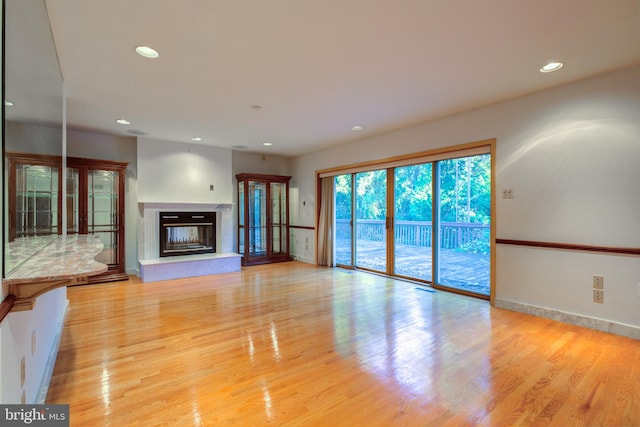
187, 206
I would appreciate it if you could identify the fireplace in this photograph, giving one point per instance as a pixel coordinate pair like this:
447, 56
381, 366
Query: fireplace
187, 233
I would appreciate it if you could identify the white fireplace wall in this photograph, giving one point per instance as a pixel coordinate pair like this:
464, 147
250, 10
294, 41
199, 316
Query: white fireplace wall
183, 173
175, 176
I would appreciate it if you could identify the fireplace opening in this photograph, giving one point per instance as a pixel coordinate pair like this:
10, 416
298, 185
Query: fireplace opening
187, 233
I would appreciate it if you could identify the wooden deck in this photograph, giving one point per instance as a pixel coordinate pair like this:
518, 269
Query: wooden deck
291, 344
465, 271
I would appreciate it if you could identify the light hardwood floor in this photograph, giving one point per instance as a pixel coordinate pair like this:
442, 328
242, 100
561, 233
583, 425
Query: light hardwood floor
292, 344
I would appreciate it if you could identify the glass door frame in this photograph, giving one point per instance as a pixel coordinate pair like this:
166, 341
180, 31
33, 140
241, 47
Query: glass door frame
432, 156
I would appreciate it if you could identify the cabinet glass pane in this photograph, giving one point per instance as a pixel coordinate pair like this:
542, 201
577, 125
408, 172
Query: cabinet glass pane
73, 200
102, 212
36, 200
278, 218
257, 218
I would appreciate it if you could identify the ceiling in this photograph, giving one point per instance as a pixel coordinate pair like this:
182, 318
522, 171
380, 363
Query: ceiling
318, 68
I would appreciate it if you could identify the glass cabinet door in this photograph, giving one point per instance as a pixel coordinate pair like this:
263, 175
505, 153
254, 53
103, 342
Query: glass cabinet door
102, 212
278, 218
36, 200
73, 201
95, 205
257, 218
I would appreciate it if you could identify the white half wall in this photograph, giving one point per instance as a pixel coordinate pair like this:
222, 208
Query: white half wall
571, 156
33, 335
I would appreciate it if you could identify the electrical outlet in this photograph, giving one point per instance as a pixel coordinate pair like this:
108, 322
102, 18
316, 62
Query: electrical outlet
598, 296
507, 193
598, 282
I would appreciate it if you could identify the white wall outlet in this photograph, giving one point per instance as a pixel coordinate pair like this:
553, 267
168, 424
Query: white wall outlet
508, 193
598, 296
598, 282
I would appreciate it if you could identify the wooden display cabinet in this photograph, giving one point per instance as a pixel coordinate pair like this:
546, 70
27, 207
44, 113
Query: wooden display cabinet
263, 218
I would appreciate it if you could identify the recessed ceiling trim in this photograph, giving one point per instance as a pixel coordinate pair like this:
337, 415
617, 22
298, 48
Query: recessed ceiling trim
551, 67
147, 52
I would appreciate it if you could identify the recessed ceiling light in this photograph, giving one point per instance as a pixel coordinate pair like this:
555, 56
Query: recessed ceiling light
147, 52
196, 138
357, 128
123, 122
551, 66
267, 144
8, 103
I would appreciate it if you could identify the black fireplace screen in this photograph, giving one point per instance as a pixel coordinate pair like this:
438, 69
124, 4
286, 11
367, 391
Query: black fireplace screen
187, 233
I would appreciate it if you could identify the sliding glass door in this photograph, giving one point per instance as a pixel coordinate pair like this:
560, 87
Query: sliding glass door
412, 221
464, 223
343, 185
429, 222
371, 217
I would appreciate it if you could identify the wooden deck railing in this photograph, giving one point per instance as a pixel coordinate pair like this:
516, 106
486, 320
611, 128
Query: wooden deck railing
453, 235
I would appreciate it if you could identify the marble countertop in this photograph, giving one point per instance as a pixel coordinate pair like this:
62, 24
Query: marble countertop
65, 257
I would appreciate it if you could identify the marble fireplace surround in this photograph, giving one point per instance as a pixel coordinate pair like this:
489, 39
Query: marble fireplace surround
154, 268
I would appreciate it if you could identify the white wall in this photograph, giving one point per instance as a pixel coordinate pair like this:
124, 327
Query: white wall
93, 145
571, 156
182, 173
23, 137
243, 162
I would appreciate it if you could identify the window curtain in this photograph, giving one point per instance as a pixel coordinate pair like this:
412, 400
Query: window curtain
325, 223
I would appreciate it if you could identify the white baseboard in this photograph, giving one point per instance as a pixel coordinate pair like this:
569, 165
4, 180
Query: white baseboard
303, 259
574, 319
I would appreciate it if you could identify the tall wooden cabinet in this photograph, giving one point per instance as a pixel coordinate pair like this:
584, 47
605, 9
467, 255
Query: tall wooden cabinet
94, 202
263, 218
95, 205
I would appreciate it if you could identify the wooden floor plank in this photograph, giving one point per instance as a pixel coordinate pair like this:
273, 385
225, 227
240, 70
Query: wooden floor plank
293, 344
